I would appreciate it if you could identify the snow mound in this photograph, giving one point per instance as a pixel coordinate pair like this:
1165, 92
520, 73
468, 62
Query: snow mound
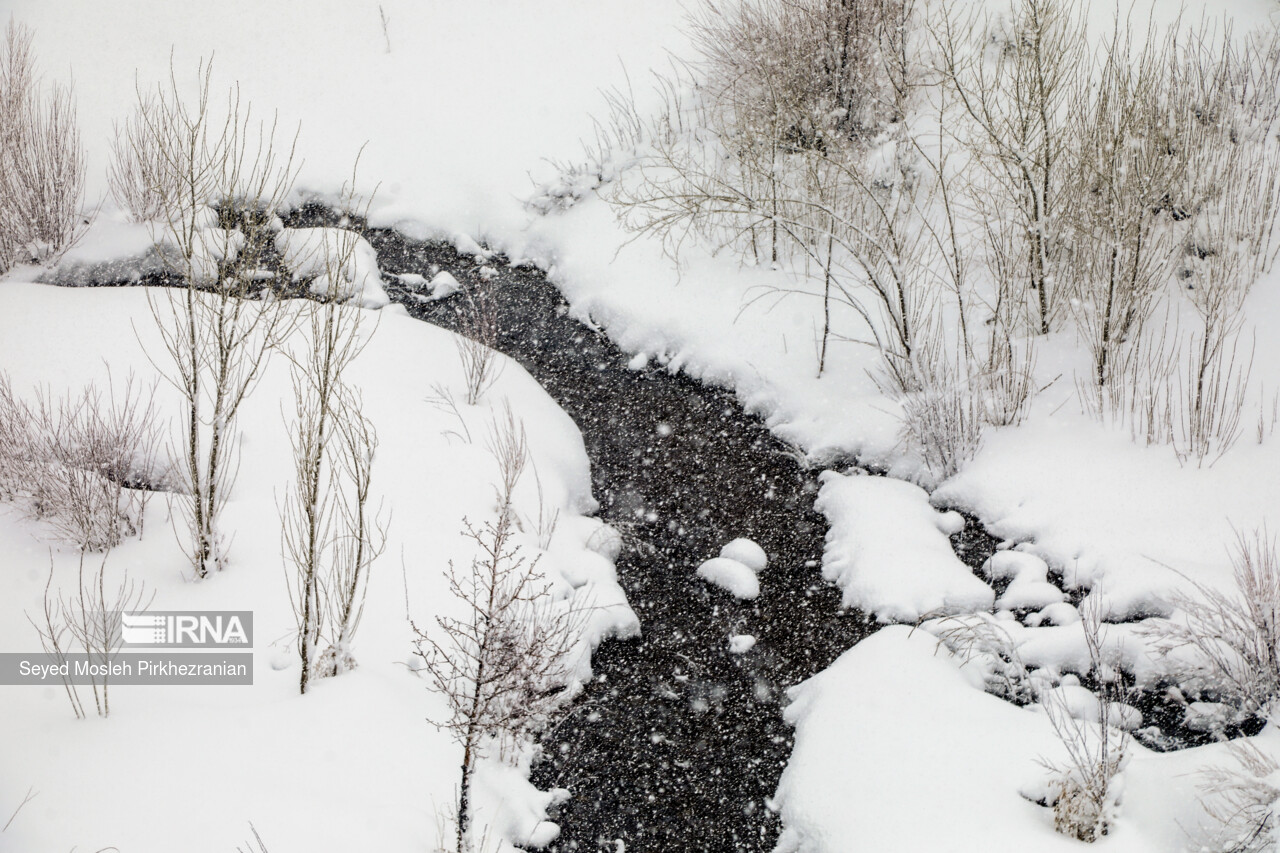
746, 552
323, 254
888, 551
1082, 704
443, 284
1029, 575
740, 644
731, 575
877, 708
413, 281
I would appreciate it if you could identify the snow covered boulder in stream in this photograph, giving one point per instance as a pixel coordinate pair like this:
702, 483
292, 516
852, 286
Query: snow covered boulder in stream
888, 550
746, 552
732, 576
340, 263
443, 284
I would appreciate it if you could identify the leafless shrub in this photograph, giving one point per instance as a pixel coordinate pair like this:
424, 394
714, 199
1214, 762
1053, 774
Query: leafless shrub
544, 525
84, 464
216, 339
477, 342
1007, 380
139, 178
1213, 392
815, 70
87, 622
501, 664
443, 399
331, 534
980, 640
1233, 637
944, 414
1085, 795
42, 162
1242, 800
1082, 793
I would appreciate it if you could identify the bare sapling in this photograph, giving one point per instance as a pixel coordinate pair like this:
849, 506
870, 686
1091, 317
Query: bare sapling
331, 534
500, 656
85, 626
222, 180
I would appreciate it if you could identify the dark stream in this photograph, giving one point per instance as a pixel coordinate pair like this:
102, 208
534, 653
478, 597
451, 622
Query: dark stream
677, 744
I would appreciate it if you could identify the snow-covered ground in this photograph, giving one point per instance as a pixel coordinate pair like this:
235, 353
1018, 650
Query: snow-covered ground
354, 763
460, 106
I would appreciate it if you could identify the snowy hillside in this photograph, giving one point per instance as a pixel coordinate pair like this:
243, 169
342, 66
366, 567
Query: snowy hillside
1030, 519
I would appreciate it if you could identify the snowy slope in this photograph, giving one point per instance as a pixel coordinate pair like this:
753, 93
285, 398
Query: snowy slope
355, 759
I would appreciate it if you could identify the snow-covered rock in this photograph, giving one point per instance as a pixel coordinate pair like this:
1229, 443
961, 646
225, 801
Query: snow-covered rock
746, 552
732, 576
340, 263
888, 550
443, 284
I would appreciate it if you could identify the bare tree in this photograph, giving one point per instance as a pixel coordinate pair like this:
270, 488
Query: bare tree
500, 664
1014, 78
331, 536
222, 181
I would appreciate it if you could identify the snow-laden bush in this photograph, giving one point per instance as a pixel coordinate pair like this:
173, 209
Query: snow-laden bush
42, 165
1227, 643
1243, 800
85, 465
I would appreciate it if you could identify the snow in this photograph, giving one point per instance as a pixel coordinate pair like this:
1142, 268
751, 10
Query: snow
730, 575
339, 264
357, 748
1029, 588
740, 644
443, 284
888, 550
464, 107
896, 749
746, 552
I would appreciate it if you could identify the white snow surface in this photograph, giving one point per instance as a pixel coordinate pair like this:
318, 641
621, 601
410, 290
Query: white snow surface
459, 104
889, 551
896, 749
353, 763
